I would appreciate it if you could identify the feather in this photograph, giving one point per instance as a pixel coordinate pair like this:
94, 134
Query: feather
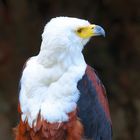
56, 84
93, 107
71, 130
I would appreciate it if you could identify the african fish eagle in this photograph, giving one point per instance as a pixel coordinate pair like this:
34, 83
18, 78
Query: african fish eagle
61, 97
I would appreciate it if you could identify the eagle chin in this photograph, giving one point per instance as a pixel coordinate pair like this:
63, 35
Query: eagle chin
61, 97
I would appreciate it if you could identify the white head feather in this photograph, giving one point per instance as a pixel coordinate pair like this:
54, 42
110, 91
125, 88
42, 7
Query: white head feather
59, 38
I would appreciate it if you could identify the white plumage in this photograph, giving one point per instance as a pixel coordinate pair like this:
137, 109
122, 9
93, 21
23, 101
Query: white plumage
49, 80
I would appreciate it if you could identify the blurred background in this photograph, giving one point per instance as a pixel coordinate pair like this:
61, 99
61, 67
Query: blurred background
116, 57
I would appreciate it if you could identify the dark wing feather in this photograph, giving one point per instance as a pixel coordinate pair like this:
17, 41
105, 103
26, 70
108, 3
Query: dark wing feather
93, 107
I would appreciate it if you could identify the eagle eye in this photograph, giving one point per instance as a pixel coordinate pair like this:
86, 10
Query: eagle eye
79, 30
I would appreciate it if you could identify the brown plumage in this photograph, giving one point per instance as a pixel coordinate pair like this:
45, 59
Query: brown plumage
71, 130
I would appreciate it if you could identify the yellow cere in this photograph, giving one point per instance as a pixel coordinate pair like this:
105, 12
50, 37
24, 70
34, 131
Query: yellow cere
86, 32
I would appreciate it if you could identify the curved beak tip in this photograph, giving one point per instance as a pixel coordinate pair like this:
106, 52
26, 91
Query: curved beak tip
103, 33
98, 30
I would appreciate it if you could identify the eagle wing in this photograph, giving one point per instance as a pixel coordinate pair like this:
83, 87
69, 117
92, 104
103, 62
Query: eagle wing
93, 109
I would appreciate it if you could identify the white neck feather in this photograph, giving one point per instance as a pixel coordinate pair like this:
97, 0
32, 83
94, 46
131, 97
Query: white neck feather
49, 84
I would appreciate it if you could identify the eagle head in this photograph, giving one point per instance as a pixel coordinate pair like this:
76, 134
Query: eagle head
68, 33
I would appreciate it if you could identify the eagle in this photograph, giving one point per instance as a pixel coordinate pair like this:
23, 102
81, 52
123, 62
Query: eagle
61, 97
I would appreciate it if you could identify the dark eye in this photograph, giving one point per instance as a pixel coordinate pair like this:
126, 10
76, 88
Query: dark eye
79, 30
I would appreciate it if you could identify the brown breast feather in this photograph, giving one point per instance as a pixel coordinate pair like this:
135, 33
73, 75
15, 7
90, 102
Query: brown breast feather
43, 130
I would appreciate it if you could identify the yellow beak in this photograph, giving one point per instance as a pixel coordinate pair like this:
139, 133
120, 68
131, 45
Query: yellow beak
91, 30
